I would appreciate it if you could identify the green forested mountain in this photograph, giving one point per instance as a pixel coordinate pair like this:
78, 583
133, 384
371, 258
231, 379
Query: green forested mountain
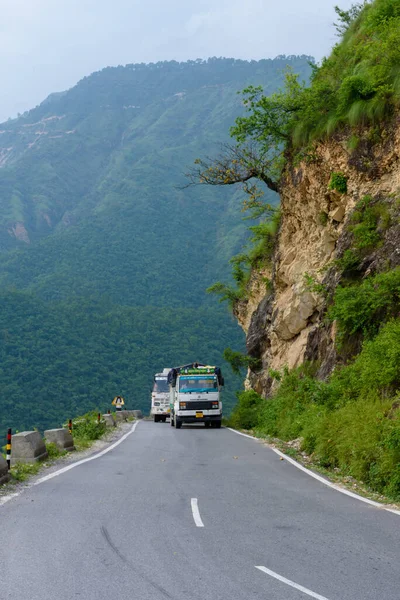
59, 359
94, 222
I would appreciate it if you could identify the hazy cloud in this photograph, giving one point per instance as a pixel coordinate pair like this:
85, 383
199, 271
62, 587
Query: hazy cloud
48, 45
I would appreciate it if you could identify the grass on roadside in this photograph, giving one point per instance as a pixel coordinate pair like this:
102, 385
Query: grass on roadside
86, 429
349, 424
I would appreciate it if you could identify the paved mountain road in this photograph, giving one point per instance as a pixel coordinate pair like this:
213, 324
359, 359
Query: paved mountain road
124, 526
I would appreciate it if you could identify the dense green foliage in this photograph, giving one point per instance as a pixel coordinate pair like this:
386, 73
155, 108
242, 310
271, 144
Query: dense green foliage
120, 255
362, 307
59, 359
360, 81
351, 422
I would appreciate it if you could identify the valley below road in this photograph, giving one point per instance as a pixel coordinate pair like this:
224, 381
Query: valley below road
198, 514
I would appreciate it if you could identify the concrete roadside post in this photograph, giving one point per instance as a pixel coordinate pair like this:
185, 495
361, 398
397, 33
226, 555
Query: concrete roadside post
4, 476
28, 447
8, 448
109, 420
61, 438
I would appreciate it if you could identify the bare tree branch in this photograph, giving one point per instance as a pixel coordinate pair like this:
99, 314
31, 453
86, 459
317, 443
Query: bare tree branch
235, 164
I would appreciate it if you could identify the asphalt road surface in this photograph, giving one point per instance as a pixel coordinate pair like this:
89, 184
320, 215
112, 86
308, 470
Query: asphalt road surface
195, 513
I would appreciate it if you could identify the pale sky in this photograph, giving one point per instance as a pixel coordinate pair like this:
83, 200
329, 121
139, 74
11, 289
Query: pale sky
48, 45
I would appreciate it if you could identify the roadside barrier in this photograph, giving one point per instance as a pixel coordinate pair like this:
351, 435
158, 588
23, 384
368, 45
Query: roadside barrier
4, 475
61, 438
29, 447
109, 420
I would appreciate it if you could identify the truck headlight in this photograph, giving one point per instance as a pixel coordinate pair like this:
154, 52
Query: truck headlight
182, 405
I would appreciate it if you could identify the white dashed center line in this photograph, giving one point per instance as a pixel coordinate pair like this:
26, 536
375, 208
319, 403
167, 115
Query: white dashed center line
196, 513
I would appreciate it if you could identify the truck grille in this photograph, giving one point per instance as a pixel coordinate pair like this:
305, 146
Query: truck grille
198, 405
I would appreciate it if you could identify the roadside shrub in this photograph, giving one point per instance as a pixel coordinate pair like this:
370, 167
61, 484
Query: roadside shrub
351, 422
87, 427
21, 472
245, 415
283, 415
53, 451
375, 373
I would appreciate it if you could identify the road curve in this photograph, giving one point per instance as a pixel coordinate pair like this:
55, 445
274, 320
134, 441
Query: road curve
198, 514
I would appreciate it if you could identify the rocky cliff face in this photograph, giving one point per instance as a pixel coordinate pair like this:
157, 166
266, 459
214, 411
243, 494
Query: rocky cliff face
287, 325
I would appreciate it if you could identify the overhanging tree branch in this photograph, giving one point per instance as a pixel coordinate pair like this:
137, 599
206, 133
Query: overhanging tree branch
235, 164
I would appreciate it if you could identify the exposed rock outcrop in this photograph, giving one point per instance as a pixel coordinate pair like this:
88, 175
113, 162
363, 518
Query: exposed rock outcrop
286, 326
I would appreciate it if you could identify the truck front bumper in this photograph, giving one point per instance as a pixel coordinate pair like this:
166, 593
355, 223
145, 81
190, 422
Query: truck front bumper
192, 418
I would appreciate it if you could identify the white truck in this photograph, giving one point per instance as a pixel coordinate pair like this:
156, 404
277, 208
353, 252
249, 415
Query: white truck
195, 395
160, 397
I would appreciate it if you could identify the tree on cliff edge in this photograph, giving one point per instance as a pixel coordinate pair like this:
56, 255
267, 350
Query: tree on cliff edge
262, 140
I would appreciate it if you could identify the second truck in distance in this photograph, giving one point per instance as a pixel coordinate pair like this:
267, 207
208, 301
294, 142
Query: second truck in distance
160, 397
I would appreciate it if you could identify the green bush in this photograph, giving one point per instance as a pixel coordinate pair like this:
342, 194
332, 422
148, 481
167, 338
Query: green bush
338, 182
245, 415
362, 307
239, 361
375, 373
323, 218
87, 427
53, 451
366, 218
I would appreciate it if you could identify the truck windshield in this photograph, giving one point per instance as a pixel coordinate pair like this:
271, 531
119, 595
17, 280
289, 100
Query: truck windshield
160, 384
197, 384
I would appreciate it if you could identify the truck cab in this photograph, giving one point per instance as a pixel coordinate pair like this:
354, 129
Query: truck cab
195, 395
160, 397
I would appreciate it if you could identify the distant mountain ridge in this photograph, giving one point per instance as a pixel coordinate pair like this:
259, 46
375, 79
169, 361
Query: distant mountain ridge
92, 205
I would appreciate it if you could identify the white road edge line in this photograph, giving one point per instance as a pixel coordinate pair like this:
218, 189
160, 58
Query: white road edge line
322, 479
85, 460
76, 464
292, 583
196, 513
